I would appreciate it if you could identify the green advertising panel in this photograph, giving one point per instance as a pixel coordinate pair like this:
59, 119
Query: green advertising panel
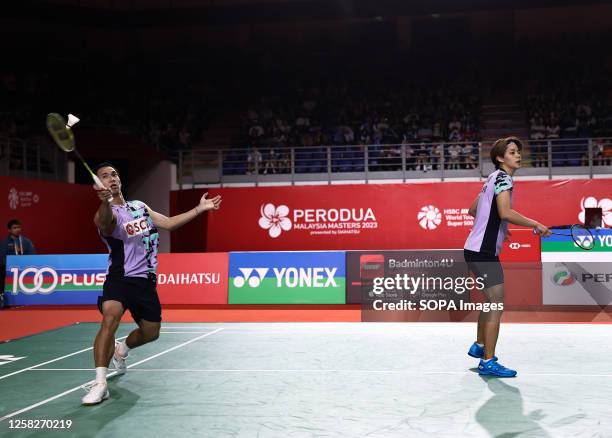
287, 278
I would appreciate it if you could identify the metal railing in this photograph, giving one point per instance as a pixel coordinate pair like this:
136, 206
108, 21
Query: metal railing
31, 158
38, 158
392, 161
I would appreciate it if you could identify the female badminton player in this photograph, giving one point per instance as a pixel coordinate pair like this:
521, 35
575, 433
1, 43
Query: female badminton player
129, 229
492, 211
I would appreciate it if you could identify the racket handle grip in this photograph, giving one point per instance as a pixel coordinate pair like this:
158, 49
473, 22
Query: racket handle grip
99, 184
97, 181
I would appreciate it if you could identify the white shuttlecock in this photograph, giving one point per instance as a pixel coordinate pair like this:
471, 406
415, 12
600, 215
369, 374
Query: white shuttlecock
72, 120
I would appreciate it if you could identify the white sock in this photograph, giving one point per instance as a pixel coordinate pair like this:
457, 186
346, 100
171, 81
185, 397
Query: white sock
123, 349
487, 360
480, 345
101, 374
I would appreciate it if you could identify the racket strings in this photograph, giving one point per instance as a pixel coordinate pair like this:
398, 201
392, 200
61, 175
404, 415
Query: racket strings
60, 132
581, 236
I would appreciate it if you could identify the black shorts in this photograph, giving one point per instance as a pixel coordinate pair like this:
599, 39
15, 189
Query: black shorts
138, 295
486, 266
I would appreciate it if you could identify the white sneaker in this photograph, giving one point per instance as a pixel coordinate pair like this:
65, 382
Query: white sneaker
97, 392
119, 361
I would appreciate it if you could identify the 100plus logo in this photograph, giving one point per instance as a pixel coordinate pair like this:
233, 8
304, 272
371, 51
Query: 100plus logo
45, 280
288, 277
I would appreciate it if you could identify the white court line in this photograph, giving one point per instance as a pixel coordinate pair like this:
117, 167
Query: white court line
172, 333
76, 388
4, 376
51, 361
191, 370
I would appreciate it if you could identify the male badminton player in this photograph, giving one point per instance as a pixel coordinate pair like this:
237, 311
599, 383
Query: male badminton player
129, 229
492, 210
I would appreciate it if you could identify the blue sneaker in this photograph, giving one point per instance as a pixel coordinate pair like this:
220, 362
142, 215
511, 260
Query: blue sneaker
476, 351
494, 368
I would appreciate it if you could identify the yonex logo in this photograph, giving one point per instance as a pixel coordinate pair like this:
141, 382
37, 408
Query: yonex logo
429, 217
584, 241
253, 280
288, 277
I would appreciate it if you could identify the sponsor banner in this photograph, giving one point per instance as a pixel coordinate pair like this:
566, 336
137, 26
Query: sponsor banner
54, 279
411, 285
577, 283
574, 276
78, 279
601, 251
522, 246
382, 216
522, 280
38, 203
192, 278
367, 272
520, 257
522, 283
287, 278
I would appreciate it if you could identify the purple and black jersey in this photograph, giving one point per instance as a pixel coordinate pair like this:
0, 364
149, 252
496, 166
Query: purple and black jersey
489, 229
133, 244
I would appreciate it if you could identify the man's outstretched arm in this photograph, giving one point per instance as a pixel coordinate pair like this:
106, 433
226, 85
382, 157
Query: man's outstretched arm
174, 222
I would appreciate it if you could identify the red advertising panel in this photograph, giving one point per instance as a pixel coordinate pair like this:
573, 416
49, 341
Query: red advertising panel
382, 216
522, 246
192, 278
56, 216
520, 258
523, 284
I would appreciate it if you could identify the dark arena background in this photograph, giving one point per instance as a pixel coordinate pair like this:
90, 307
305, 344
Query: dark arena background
327, 292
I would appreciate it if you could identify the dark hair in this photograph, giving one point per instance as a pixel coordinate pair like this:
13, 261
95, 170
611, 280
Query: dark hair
104, 164
12, 222
500, 146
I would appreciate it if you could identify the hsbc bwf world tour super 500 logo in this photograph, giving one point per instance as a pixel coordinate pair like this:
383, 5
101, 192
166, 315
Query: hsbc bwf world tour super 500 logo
430, 217
316, 221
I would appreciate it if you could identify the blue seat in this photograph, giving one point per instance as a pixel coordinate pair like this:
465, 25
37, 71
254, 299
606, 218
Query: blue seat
302, 160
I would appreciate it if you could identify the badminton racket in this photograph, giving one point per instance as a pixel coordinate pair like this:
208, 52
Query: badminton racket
62, 134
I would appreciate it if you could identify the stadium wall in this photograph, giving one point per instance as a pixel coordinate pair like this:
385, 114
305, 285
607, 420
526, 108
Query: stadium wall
192, 236
153, 188
56, 216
